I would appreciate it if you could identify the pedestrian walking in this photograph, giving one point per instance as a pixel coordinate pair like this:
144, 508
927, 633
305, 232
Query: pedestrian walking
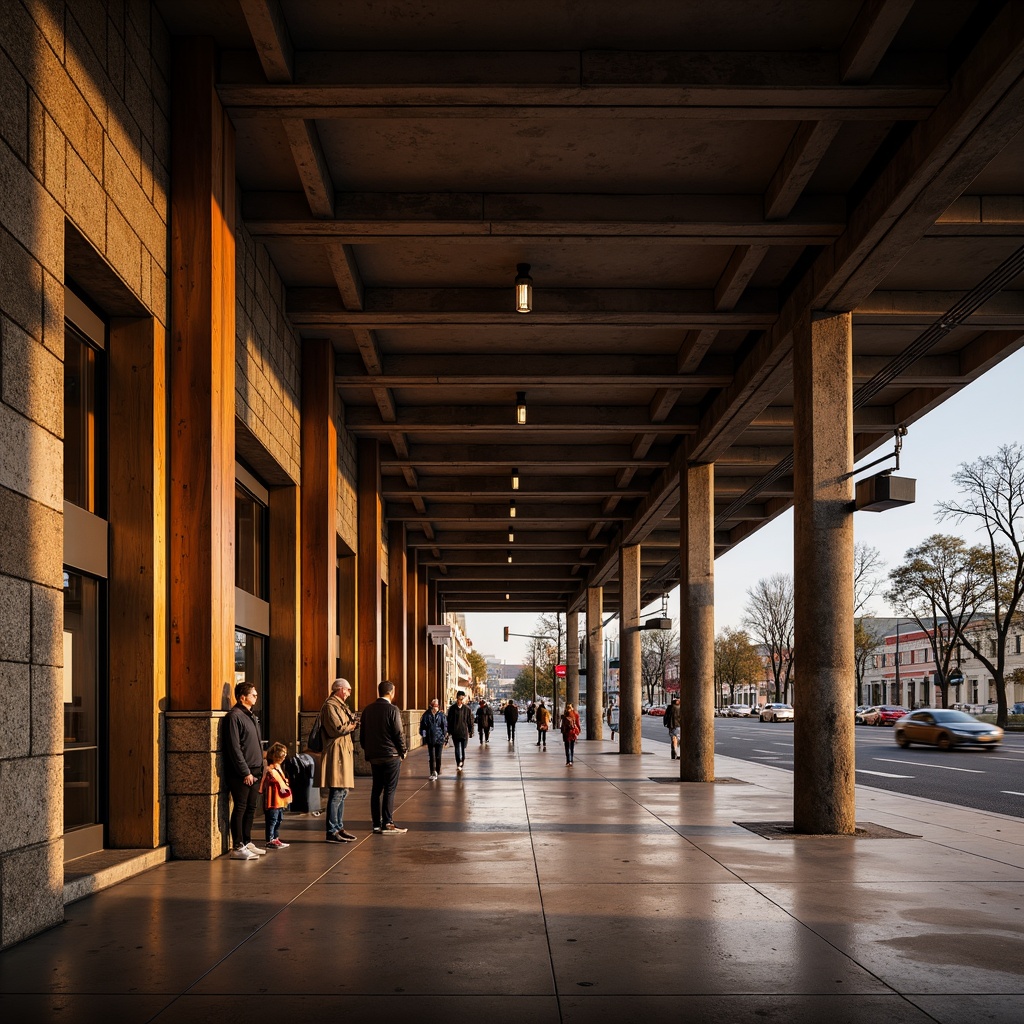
673, 722
243, 769
531, 711
543, 717
460, 728
484, 721
570, 727
276, 793
337, 769
613, 718
383, 741
434, 731
511, 716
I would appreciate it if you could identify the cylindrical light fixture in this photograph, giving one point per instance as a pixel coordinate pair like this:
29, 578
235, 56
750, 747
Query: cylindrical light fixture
520, 407
524, 288
506, 597
511, 535
512, 508
515, 479
508, 557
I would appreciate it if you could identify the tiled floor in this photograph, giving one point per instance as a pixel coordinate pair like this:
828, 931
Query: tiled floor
527, 892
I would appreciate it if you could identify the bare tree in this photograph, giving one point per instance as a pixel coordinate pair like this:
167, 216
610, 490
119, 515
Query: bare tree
657, 649
868, 569
867, 635
769, 619
940, 584
736, 663
993, 499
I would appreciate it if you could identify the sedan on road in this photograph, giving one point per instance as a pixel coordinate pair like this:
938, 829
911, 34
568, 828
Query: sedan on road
656, 710
945, 728
884, 714
776, 713
738, 711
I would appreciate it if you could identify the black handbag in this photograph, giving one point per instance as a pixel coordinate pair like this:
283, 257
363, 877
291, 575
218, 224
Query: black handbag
315, 739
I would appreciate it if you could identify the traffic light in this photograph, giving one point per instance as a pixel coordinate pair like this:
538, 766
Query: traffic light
506, 634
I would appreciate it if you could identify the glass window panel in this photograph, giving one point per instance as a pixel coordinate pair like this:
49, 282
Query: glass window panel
250, 667
250, 544
82, 595
80, 410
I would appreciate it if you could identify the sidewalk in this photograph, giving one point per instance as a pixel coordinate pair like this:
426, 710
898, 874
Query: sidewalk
527, 892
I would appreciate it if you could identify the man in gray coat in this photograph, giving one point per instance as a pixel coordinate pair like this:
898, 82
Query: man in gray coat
337, 723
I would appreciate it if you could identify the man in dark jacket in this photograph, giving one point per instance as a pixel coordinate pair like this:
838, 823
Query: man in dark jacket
673, 722
243, 767
484, 721
511, 714
460, 728
383, 741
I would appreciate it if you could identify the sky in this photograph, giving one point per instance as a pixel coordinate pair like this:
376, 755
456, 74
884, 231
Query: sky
973, 423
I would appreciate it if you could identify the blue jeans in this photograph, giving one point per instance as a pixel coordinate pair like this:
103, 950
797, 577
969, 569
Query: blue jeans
460, 750
336, 810
570, 751
273, 816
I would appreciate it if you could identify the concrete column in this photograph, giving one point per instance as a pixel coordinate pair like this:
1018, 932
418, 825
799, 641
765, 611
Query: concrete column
823, 782
369, 611
572, 658
630, 692
595, 664
697, 624
397, 618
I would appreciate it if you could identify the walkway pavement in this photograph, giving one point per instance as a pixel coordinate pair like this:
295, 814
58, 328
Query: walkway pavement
528, 892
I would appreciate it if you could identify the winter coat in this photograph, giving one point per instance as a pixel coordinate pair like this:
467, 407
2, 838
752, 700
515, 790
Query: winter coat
570, 725
673, 716
460, 722
511, 713
381, 734
337, 723
485, 717
434, 727
243, 746
543, 718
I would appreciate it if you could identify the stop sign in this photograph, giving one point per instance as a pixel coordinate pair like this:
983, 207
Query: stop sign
560, 671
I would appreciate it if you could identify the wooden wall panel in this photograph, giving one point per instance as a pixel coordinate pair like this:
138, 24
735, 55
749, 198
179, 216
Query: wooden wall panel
285, 663
136, 360
319, 531
412, 677
398, 612
348, 655
202, 387
369, 612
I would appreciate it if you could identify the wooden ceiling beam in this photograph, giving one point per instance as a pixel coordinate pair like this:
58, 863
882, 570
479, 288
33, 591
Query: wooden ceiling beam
870, 36
270, 34
488, 456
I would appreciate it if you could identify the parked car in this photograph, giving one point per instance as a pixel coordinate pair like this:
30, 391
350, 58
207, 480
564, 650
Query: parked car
738, 711
945, 728
861, 712
776, 713
1017, 709
884, 714
656, 710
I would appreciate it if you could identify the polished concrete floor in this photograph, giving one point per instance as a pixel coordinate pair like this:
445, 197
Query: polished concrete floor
527, 892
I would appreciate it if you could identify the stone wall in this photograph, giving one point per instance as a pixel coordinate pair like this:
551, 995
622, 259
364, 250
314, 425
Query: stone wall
84, 104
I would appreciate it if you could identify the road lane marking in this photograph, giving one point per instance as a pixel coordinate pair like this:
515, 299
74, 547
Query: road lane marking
997, 757
1010, 792
760, 750
885, 775
924, 764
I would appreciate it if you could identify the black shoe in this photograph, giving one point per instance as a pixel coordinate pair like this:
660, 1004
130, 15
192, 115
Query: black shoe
335, 837
346, 837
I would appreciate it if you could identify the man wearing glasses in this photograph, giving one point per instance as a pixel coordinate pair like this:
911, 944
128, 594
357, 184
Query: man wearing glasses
243, 766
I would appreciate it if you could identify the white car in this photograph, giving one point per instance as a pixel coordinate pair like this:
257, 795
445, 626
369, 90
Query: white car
777, 713
738, 711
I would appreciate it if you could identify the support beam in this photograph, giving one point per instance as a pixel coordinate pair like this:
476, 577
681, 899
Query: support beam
370, 612
824, 763
398, 613
697, 625
595, 664
630, 694
572, 658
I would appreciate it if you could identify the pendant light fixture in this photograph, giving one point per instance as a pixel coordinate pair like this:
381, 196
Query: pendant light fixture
524, 288
520, 407
508, 557
512, 509
515, 479
511, 535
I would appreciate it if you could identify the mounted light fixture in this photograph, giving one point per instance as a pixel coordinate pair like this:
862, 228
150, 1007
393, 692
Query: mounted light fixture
506, 597
515, 479
511, 535
524, 288
508, 557
512, 508
520, 407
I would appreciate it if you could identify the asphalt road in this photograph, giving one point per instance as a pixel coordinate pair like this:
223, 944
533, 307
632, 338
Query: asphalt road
990, 780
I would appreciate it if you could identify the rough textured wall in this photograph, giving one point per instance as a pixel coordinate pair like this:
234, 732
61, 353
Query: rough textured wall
267, 357
348, 516
84, 106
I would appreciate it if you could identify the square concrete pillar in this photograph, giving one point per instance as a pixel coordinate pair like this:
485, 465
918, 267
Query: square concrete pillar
595, 664
697, 624
823, 779
629, 651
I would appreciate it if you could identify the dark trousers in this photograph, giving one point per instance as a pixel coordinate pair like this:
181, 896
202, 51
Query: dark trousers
382, 792
511, 727
460, 750
273, 816
434, 750
244, 801
570, 751
542, 738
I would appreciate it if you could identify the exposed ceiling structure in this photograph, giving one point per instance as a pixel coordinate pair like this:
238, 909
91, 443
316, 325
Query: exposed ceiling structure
686, 181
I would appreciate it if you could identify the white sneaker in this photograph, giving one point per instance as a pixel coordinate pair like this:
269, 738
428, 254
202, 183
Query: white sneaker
458, 767
254, 849
242, 853
433, 776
